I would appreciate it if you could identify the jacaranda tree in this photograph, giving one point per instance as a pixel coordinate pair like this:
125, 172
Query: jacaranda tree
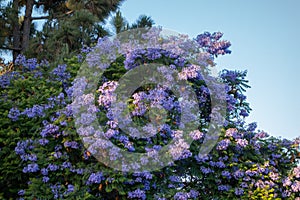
62, 139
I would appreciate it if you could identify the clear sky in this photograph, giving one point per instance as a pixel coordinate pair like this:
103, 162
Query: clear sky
265, 37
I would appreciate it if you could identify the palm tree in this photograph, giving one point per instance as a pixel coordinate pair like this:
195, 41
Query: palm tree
143, 21
119, 23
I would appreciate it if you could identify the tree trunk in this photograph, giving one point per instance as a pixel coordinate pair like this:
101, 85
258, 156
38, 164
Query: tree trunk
27, 25
16, 30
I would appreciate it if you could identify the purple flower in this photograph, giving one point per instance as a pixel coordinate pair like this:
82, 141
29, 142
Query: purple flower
251, 173
212, 43
28, 65
49, 129
70, 189
52, 167
22, 146
32, 157
223, 144
244, 185
226, 174
45, 179
43, 141
35, 111
193, 194
196, 135
60, 73
14, 114
44, 171
79, 171
220, 164
181, 196
95, 178
71, 144
286, 193
239, 191
252, 127
138, 193
174, 178
21, 192
231, 132
296, 186
66, 165
238, 174
242, 142
223, 187
296, 172
33, 167
244, 113
191, 72
206, 170
110, 133
86, 119
261, 135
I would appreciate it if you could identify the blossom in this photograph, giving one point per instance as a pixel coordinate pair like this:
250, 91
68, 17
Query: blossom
49, 129
206, 170
71, 144
27, 64
261, 134
223, 144
193, 194
95, 178
14, 114
212, 44
33, 167
181, 196
296, 186
286, 182
226, 174
35, 111
286, 193
239, 191
242, 142
238, 174
21, 192
138, 193
223, 187
60, 73
45, 179
190, 72
220, 164
70, 189
106, 97
196, 135
52, 167
43, 141
179, 149
296, 172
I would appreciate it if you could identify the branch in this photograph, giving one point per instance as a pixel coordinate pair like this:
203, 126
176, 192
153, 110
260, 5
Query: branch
54, 16
11, 48
40, 18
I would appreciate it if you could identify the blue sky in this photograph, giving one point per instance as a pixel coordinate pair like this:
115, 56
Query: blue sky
265, 37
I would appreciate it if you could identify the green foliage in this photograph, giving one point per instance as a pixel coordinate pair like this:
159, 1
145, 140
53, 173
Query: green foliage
22, 93
73, 173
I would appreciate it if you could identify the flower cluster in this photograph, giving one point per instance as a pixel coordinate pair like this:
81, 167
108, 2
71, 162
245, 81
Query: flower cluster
56, 161
212, 44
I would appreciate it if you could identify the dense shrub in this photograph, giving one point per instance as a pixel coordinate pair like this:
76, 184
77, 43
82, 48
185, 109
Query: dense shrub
43, 156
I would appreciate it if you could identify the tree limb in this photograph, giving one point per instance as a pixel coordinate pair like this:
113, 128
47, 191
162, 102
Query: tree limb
11, 48
40, 18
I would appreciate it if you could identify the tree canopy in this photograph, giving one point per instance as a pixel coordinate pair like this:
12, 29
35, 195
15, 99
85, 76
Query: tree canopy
50, 148
135, 116
69, 25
